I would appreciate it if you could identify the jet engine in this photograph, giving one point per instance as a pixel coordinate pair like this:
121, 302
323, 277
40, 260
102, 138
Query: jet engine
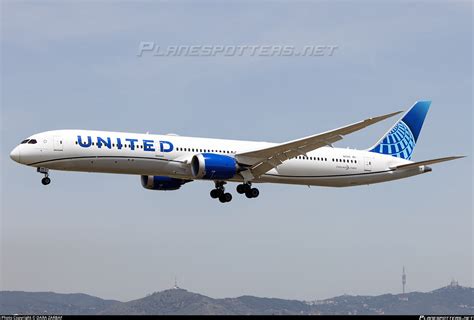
213, 166
162, 183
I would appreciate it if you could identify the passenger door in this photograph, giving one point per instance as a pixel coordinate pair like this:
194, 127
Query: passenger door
58, 143
368, 164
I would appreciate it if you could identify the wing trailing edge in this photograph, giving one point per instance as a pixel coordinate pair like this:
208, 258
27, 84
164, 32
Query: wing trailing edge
262, 160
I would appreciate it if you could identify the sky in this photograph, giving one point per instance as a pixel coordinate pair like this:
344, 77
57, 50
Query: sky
75, 66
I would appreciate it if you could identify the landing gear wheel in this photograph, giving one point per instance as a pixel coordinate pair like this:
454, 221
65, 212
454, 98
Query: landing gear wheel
46, 180
241, 188
225, 197
219, 192
254, 192
215, 193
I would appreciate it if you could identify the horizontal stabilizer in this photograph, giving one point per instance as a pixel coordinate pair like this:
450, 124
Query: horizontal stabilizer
426, 162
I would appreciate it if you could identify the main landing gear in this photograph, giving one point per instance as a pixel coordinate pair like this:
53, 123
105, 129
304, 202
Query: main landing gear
46, 180
248, 190
244, 188
219, 192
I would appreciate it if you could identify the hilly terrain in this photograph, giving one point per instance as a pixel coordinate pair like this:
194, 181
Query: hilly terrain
453, 299
20, 302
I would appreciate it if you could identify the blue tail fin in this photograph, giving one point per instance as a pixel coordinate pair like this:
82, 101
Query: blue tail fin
400, 141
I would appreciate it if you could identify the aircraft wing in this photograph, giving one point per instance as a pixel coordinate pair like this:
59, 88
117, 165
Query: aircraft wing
263, 160
425, 163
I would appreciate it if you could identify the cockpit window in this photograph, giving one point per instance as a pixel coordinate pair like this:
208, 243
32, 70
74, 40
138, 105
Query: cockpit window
32, 141
25, 141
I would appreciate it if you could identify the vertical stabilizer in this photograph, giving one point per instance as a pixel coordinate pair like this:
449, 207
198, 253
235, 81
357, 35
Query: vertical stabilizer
401, 139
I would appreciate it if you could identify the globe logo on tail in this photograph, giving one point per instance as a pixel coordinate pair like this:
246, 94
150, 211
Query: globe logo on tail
399, 142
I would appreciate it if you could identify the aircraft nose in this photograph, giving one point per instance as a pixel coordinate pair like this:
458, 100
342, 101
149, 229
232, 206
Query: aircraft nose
15, 154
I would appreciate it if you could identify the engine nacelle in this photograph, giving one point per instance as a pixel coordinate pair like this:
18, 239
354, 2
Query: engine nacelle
213, 166
162, 183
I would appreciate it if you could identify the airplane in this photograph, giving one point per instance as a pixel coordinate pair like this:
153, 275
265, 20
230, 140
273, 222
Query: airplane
166, 162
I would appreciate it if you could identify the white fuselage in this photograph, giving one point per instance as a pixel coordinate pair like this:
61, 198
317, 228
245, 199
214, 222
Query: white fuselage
170, 155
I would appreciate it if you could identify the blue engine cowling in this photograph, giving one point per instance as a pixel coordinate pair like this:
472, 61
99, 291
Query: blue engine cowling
213, 166
162, 183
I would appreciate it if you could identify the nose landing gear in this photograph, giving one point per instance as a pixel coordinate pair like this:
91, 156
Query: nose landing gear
248, 190
46, 180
